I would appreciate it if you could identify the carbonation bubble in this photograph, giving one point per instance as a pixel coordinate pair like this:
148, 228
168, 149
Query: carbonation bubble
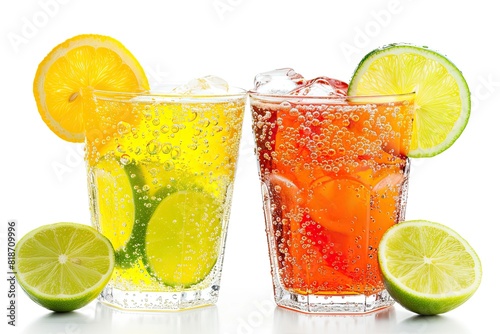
197, 131
153, 171
123, 127
164, 128
125, 159
153, 147
286, 105
168, 165
146, 111
166, 148
192, 116
176, 152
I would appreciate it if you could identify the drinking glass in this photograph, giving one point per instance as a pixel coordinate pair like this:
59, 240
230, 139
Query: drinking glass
161, 170
334, 177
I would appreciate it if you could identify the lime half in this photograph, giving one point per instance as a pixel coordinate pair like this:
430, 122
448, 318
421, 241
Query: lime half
183, 238
427, 267
442, 95
64, 266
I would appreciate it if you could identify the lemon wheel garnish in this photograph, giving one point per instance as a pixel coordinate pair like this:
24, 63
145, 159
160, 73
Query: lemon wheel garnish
74, 68
442, 97
183, 238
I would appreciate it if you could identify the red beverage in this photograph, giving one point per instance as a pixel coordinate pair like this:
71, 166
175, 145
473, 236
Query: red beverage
334, 173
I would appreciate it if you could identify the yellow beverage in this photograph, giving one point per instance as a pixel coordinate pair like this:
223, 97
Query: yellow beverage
161, 171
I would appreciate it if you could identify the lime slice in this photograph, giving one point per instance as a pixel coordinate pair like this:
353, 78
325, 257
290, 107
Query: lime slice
123, 207
115, 202
64, 266
183, 238
442, 96
427, 267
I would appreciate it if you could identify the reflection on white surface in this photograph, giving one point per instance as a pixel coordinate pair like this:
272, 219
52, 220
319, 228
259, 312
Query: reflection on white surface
258, 317
386, 321
200, 320
60, 323
110, 320
291, 322
431, 325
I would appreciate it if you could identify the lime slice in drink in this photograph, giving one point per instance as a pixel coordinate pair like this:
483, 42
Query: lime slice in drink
427, 267
115, 202
122, 207
183, 238
442, 96
64, 266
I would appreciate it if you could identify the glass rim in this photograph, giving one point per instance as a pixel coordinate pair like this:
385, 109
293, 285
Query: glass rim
333, 98
234, 92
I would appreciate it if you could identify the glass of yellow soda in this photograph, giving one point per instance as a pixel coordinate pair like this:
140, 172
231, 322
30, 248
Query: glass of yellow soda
161, 169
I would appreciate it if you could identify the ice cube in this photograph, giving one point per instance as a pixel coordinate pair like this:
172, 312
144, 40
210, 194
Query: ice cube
321, 86
209, 85
279, 81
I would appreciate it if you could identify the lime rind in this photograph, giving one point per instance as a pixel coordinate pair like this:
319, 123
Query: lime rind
399, 253
432, 132
43, 290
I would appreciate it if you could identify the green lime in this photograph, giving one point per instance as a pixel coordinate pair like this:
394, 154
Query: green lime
64, 266
442, 98
183, 238
427, 267
122, 207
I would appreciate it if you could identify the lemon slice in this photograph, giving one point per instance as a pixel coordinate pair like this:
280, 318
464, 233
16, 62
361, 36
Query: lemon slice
427, 267
183, 238
72, 69
442, 96
64, 266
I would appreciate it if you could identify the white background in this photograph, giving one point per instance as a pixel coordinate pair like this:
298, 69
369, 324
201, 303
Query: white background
235, 39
